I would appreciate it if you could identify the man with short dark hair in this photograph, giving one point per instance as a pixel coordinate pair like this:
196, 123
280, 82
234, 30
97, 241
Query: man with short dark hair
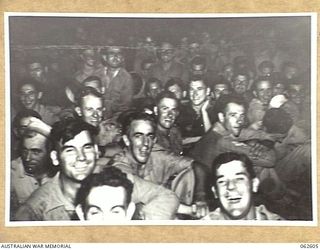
156, 164
233, 183
52, 85
168, 134
105, 197
75, 153
262, 90
167, 67
194, 118
229, 134
31, 170
30, 95
117, 82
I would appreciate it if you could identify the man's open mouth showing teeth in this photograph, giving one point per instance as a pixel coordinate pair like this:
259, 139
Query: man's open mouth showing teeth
234, 200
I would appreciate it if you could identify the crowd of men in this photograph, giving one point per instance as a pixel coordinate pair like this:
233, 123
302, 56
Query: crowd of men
160, 132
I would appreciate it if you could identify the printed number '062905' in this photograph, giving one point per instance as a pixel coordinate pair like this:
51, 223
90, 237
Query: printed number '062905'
308, 246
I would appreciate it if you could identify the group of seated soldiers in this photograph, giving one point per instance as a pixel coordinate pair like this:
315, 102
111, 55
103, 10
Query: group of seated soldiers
175, 139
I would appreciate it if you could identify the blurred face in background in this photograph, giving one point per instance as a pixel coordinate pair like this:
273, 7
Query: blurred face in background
29, 96
240, 84
36, 71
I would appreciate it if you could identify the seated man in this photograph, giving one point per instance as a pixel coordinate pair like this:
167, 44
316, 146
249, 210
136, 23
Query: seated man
293, 164
31, 170
233, 184
76, 154
157, 165
105, 196
177, 87
168, 134
90, 109
19, 126
30, 95
262, 90
194, 117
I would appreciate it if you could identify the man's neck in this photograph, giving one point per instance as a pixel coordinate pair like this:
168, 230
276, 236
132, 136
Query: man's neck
197, 108
166, 65
88, 69
163, 130
69, 188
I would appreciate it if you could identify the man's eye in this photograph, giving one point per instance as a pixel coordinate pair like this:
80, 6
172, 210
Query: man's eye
151, 136
221, 182
87, 147
69, 150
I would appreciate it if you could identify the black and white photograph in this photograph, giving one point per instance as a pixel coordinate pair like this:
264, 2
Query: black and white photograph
160, 119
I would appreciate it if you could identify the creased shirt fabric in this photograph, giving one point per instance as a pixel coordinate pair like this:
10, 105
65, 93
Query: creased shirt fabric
261, 213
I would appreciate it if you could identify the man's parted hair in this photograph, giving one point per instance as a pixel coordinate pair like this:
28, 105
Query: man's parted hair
66, 130
130, 116
91, 79
30, 81
228, 157
175, 81
85, 91
277, 120
224, 100
166, 94
110, 176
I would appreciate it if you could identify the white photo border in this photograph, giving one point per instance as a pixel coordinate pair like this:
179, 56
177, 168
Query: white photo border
313, 63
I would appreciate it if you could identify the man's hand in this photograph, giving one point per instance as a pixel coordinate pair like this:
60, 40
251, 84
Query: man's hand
256, 149
199, 209
109, 132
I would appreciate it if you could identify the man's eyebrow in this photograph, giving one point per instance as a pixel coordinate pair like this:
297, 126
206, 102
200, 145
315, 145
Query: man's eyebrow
93, 206
66, 147
117, 206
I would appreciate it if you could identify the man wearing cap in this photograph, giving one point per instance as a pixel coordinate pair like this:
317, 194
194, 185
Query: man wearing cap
32, 169
117, 81
167, 67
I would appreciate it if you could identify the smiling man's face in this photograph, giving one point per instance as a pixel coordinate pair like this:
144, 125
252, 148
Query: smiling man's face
234, 188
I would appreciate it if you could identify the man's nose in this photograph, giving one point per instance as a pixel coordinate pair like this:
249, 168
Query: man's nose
80, 155
28, 156
95, 113
145, 141
230, 185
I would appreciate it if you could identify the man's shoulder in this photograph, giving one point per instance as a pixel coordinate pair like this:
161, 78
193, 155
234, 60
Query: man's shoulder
262, 213
16, 164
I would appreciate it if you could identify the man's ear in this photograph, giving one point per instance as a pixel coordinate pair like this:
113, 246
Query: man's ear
255, 184
213, 189
208, 91
130, 210
78, 111
254, 93
184, 94
54, 157
80, 212
155, 110
96, 149
39, 95
126, 140
221, 117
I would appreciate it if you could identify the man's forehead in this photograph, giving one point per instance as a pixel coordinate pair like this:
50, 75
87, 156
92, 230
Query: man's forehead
231, 106
27, 87
141, 126
35, 65
91, 99
235, 167
83, 137
166, 101
34, 139
196, 84
114, 50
